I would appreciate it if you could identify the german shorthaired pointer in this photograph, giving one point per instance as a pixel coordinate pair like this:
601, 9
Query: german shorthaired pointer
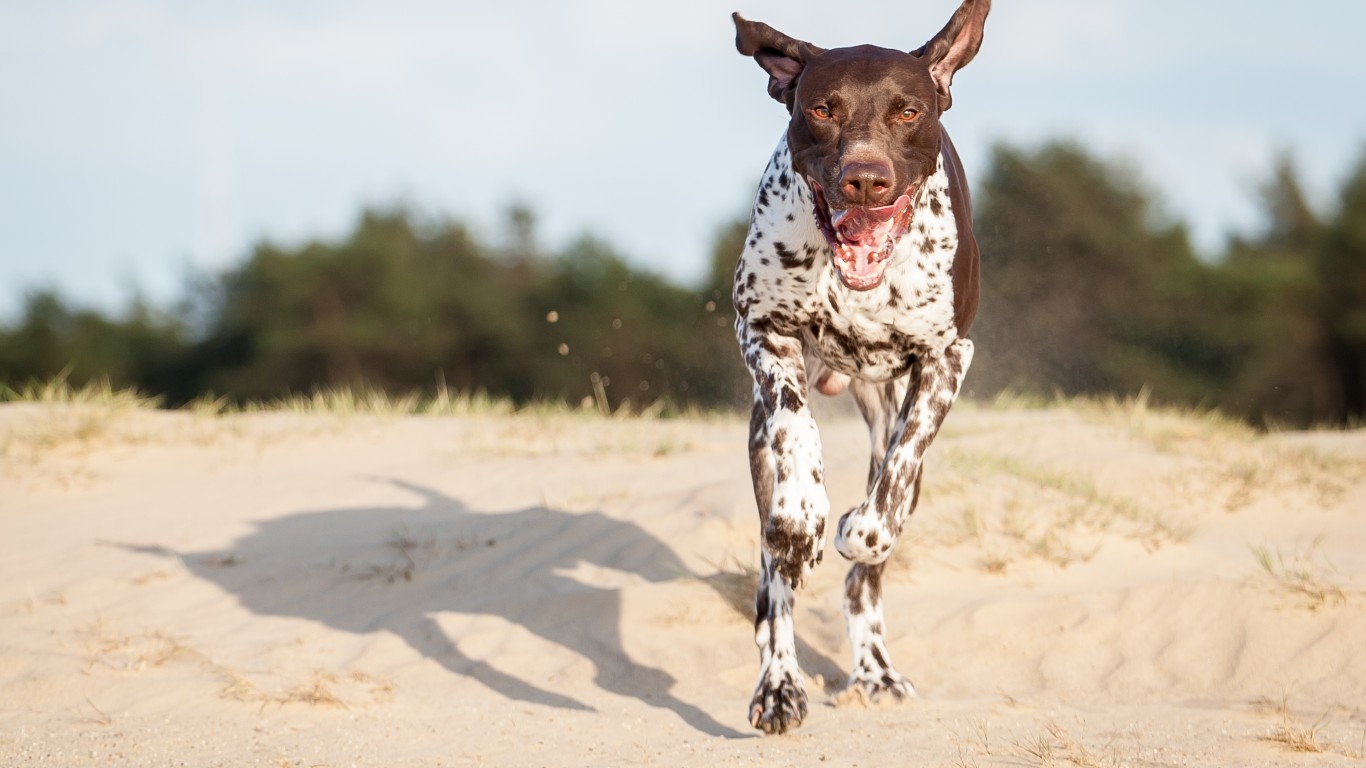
859, 272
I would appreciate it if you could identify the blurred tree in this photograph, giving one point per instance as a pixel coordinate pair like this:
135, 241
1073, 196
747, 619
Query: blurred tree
521, 232
1341, 266
84, 346
1272, 299
727, 244
1086, 287
385, 308
398, 306
639, 336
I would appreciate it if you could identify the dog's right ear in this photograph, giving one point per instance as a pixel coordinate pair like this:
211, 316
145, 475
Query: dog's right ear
782, 57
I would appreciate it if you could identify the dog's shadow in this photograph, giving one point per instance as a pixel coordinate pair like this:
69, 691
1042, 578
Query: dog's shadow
395, 569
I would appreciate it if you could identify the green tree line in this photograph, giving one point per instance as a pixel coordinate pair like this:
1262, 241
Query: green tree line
1089, 287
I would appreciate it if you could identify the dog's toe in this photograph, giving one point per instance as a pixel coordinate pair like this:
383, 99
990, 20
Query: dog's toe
890, 686
778, 707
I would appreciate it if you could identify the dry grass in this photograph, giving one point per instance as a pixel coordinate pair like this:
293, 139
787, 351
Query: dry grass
238, 687
1253, 472
56, 420
321, 689
69, 416
411, 554
1054, 747
1292, 734
1176, 429
1244, 462
58, 391
346, 402
316, 691
107, 647
1093, 506
1014, 509
446, 402
380, 690
962, 760
100, 717
977, 743
1306, 575
1168, 429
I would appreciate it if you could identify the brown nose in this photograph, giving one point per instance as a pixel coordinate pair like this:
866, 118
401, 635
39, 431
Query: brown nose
866, 183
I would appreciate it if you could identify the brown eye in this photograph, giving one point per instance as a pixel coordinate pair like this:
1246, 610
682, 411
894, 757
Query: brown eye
908, 114
821, 113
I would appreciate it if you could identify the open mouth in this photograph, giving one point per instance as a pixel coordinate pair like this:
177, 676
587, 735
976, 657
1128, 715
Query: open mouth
862, 238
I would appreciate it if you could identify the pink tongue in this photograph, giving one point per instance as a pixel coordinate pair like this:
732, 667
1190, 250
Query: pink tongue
866, 230
857, 224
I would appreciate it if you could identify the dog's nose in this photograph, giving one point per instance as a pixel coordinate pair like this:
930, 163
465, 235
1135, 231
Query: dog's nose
866, 183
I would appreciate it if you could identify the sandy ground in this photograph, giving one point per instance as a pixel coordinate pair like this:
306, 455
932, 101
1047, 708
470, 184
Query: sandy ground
1086, 585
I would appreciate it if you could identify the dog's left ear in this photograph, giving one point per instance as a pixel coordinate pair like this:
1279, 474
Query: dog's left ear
954, 46
782, 57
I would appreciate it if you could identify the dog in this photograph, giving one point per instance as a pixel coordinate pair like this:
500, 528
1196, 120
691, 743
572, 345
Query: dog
859, 272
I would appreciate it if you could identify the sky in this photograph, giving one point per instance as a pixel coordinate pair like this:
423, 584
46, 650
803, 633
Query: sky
144, 142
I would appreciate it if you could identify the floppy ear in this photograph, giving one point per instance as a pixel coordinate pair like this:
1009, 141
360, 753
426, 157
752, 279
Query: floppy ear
954, 46
782, 57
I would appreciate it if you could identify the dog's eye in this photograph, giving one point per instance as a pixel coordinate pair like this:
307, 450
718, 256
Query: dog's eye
908, 114
821, 113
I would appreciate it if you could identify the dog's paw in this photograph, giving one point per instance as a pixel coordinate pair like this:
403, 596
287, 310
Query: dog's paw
795, 549
778, 707
863, 537
888, 687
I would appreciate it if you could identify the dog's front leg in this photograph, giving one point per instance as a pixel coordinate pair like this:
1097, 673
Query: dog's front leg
785, 462
867, 533
785, 452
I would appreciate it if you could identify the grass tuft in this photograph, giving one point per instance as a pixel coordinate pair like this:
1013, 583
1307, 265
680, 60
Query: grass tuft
67, 415
1055, 747
317, 692
1040, 513
1305, 575
1292, 734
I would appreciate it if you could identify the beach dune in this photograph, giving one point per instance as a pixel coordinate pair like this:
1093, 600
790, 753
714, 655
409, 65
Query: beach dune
1089, 584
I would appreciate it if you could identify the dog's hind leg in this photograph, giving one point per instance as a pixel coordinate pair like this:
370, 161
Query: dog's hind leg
867, 533
879, 402
872, 671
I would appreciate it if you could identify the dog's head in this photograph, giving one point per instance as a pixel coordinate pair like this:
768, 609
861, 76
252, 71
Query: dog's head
865, 128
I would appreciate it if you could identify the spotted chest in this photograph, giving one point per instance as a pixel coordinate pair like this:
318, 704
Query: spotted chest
786, 280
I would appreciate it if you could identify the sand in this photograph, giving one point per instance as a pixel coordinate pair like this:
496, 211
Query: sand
1083, 585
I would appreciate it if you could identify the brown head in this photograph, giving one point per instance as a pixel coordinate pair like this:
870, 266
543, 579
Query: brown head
865, 129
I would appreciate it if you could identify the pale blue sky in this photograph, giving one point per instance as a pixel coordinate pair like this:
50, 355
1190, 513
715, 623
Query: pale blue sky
141, 139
